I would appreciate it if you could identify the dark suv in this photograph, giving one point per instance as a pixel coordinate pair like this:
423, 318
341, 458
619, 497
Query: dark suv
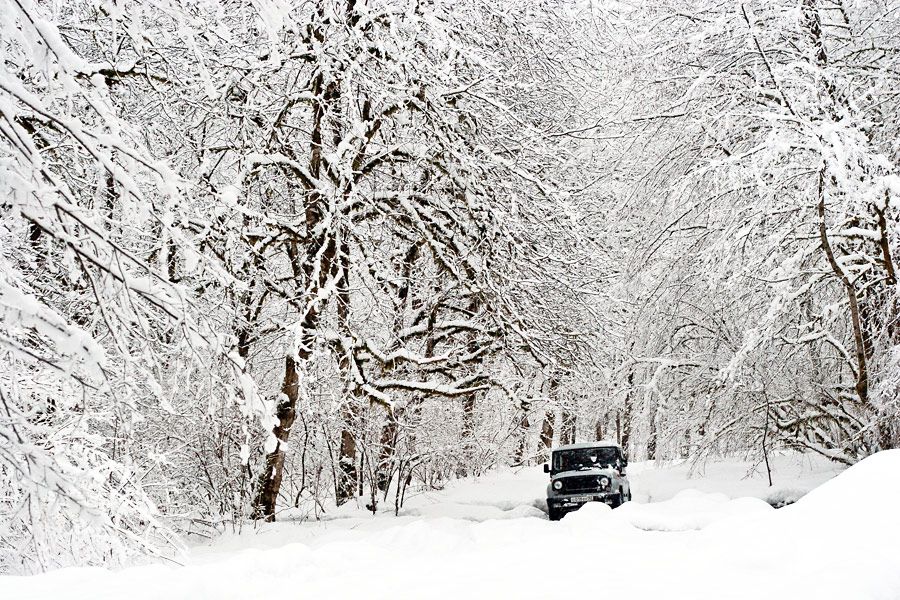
586, 472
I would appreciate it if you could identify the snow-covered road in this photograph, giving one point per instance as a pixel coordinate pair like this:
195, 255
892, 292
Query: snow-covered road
489, 539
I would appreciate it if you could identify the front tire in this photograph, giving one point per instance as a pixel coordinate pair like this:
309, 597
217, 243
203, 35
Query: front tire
554, 513
618, 499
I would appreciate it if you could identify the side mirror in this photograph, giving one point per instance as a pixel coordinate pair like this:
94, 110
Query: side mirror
546, 468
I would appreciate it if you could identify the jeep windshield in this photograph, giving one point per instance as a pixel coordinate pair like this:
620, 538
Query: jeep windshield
583, 458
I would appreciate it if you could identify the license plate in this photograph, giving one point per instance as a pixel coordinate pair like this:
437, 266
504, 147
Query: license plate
581, 498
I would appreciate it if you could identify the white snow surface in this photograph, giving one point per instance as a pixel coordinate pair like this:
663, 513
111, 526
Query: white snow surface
702, 535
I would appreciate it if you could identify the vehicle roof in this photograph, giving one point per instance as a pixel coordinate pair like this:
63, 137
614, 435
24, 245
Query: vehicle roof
580, 445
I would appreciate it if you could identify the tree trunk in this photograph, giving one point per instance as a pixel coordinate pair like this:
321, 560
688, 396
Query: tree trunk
547, 428
521, 455
348, 476
305, 266
468, 404
859, 338
600, 427
567, 434
270, 481
547, 434
813, 23
467, 435
390, 432
623, 427
387, 448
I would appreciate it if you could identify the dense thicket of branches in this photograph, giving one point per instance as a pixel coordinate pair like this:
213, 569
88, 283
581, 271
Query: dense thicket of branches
261, 259
769, 265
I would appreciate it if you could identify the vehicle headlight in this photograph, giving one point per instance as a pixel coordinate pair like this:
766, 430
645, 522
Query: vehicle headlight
604, 482
557, 485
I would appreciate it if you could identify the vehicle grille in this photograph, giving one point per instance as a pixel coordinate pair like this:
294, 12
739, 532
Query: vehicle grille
587, 483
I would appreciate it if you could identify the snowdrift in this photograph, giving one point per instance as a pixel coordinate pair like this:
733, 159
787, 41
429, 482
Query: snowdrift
488, 539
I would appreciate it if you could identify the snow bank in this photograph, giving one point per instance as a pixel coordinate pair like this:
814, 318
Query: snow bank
487, 539
841, 538
690, 509
792, 476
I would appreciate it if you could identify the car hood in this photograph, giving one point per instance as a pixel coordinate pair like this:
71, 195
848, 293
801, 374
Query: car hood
608, 471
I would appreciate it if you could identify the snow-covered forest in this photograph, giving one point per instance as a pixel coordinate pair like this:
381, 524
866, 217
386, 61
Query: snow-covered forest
268, 258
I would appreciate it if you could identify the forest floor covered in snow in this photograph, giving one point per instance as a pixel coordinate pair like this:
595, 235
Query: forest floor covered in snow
704, 534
